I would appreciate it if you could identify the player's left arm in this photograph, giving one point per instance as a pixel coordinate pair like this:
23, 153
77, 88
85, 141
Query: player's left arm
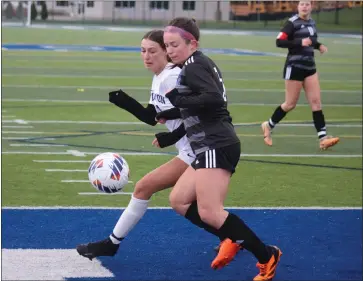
206, 94
166, 139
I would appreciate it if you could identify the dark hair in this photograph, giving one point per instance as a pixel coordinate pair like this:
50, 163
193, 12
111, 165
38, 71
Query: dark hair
188, 24
157, 36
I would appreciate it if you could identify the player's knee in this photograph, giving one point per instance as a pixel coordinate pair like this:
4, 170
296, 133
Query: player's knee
315, 104
288, 106
173, 201
206, 215
142, 190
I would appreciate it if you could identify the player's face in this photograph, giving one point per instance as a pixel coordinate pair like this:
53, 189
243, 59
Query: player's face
304, 8
177, 48
153, 55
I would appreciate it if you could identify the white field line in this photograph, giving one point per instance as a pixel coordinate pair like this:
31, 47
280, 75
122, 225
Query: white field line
23, 132
81, 181
36, 145
147, 88
282, 208
76, 153
146, 76
16, 138
62, 161
17, 127
20, 121
145, 102
76, 122
65, 170
169, 154
140, 123
8, 116
101, 193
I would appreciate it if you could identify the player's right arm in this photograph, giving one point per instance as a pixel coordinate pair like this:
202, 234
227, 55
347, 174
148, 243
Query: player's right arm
285, 37
124, 101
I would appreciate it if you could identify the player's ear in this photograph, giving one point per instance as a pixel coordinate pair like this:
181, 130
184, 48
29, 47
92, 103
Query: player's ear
194, 44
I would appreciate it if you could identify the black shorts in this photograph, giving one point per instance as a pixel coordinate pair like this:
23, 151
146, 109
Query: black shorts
226, 158
297, 74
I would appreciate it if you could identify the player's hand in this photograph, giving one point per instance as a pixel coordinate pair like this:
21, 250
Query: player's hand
306, 42
116, 97
156, 143
323, 49
161, 120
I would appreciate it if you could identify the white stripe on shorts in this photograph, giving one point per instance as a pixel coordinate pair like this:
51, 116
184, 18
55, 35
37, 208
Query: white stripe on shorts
288, 72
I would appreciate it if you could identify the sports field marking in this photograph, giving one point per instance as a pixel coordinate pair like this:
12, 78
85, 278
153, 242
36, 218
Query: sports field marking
76, 153
145, 102
173, 154
61, 161
148, 88
23, 132
15, 138
17, 127
82, 181
20, 121
64, 170
3, 111
137, 68
291, 123
8, 116
37, 145
101, 193
313, 208
138, 76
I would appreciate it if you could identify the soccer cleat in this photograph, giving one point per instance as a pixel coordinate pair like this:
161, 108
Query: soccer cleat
99, 248
227, 251
266, 133
216, 248
328, 141
268, 270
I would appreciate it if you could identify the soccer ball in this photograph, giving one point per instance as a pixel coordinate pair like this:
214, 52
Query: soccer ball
108, 172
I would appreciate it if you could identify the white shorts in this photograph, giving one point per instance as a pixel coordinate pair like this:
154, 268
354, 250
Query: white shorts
186, 156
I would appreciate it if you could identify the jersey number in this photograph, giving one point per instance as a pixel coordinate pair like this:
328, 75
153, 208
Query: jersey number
224, 88
311, 30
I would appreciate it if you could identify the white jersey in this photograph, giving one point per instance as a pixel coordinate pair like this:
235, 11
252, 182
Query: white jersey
162, 84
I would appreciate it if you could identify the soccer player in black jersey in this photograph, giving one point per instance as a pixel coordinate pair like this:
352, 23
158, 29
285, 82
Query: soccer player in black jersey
299, 35
199, 195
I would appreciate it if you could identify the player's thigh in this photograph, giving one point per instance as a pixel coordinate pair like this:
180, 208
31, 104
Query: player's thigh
162, 177
183, 192
312, 90
213, 172
211, 188
293, 84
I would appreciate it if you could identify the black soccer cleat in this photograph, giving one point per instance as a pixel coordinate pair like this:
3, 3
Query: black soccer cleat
97, 249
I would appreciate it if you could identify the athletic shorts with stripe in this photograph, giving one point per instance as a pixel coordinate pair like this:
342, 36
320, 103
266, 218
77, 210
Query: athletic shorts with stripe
226, 158
297, 74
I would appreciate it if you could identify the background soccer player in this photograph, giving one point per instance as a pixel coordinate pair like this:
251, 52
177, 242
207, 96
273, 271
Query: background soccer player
299, 35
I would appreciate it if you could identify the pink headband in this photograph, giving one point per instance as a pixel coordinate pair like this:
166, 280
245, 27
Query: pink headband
182, 32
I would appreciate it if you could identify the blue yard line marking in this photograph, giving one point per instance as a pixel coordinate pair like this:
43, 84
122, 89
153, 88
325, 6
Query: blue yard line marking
316, 244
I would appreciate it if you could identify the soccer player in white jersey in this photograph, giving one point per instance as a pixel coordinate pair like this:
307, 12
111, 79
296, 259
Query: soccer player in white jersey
159, 109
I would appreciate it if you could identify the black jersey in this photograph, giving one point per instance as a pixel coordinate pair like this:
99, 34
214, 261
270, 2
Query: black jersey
291, 35
201, 96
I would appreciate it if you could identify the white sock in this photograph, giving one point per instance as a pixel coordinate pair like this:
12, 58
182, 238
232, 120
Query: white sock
129, 218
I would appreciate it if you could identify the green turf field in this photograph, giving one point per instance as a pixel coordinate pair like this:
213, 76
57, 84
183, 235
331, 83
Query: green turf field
56, 103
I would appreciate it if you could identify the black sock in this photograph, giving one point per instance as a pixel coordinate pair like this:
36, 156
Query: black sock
319, 123
193, 216
235, 229
276, 117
